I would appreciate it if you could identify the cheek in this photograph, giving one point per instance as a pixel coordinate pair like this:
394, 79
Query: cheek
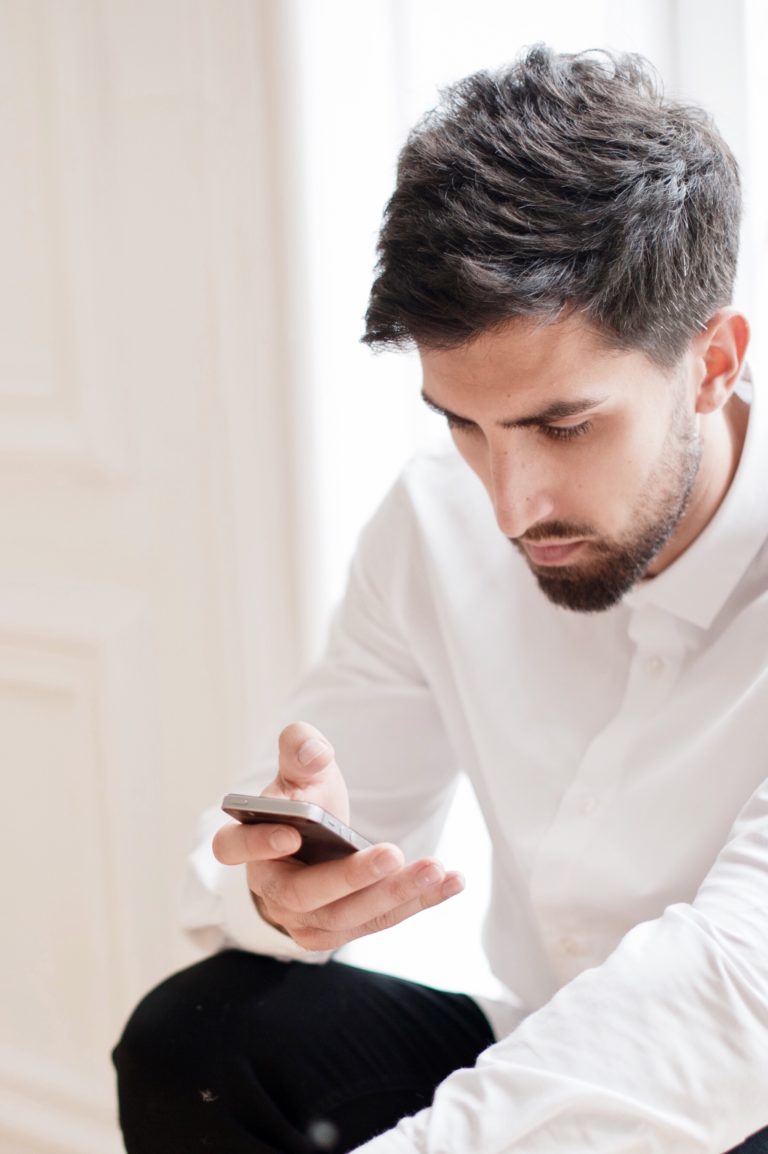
600, 482
619, 474
638, 457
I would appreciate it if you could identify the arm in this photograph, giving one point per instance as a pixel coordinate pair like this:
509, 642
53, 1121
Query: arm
369, 696
664, 1047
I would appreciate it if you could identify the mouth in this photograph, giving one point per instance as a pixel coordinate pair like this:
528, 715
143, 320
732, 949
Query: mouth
555, 554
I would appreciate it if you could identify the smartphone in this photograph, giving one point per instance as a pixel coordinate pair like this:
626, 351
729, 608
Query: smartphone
323, 836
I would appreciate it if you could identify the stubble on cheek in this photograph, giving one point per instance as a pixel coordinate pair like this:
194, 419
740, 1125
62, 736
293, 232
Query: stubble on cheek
609, 567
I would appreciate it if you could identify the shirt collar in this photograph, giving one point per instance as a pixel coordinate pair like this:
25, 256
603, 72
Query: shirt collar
697, 585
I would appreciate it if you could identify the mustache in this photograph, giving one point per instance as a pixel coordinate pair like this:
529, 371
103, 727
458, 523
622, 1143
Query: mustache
555, 530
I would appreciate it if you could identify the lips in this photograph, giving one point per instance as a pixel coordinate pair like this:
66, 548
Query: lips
559, 554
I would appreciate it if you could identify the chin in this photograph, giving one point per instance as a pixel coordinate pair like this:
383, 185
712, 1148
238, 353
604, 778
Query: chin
588, 593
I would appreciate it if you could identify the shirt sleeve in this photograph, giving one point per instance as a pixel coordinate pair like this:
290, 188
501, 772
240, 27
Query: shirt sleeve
372, 699
663, 1047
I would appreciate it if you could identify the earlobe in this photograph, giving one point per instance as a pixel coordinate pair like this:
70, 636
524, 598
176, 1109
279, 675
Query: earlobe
724, 346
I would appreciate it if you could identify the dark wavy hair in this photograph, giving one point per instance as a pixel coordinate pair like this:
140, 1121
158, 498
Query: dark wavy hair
560, 184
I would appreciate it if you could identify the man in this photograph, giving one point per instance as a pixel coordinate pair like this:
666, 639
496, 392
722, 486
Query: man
579, 620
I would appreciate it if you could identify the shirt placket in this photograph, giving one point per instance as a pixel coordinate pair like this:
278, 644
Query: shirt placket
659, 651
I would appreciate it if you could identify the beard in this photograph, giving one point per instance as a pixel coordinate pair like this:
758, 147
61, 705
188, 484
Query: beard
601, 583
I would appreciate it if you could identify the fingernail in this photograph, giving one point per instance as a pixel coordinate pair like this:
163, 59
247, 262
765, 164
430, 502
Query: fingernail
283, 840
384, 863
428, 876
454, 885
310, 750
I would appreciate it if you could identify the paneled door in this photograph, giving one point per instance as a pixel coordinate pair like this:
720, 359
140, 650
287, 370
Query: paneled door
148, 617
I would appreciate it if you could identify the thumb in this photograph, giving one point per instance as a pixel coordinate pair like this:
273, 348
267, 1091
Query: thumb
306, 760
308, 770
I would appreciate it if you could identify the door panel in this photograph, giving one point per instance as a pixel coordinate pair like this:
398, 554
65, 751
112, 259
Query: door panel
149, 616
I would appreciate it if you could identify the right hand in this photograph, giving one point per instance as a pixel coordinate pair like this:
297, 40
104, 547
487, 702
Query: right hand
324, 906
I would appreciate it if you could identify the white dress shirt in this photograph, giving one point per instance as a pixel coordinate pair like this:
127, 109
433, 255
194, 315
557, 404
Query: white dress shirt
619, 759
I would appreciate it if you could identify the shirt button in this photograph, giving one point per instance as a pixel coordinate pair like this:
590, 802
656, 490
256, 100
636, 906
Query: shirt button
587, 805
654, 666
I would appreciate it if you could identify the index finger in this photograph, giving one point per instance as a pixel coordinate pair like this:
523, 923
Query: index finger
238, 842
314, 886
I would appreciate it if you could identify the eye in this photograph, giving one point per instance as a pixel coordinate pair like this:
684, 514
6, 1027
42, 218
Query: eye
565, 432
457, 426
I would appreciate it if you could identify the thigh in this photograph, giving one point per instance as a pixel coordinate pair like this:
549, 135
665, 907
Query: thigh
274, 1056
757, 1144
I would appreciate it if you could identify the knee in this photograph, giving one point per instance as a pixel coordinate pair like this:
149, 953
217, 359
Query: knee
180, 1024
160, 1033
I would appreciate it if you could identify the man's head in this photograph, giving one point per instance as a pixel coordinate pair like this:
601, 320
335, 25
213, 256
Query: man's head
561, 184
560, 247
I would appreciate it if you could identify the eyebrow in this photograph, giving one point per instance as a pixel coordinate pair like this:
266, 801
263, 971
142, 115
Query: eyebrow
557, 411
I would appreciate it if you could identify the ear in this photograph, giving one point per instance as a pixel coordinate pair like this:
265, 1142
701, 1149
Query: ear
720, 350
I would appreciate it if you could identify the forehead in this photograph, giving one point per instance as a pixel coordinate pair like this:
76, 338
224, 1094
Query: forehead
530, 360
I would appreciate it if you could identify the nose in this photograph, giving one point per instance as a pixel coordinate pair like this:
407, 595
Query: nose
519, 490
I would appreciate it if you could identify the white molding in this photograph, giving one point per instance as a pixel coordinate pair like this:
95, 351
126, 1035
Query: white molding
75, 421
106, 631
67, 611
255, 567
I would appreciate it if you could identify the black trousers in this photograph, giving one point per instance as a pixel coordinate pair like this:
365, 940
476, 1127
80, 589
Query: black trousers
242, 1054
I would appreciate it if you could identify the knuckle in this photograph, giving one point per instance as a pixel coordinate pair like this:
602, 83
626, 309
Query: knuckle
305, 938
270, 891
272, 917
380, 922
279, 889
269, 910
402, 890
290, 897
431, 897
313, 938
332, 919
